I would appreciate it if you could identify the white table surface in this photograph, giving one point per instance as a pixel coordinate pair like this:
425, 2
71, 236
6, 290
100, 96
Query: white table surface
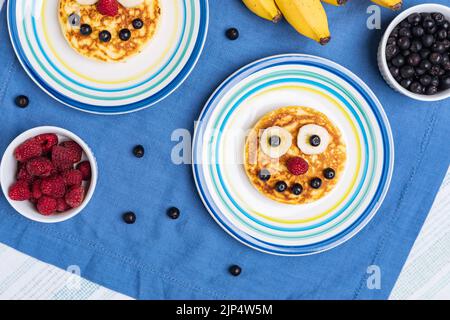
425, 275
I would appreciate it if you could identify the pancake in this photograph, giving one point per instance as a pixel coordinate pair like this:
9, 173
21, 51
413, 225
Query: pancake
115, 50
291, 120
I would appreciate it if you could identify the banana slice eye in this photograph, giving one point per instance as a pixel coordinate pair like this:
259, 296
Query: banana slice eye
313, 139
275, 141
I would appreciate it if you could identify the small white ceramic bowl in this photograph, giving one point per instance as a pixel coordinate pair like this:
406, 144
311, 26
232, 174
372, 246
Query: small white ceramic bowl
8, 170
382, 63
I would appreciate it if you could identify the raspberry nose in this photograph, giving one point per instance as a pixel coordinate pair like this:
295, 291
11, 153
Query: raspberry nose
297, 166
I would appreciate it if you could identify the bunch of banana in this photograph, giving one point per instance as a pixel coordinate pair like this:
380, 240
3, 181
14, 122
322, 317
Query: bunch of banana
308, 17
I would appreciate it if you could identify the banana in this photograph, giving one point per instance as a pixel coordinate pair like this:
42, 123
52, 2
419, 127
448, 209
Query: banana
391, 4
313, 139
275, 142
335, 2
266, 9
131, 3
308, 17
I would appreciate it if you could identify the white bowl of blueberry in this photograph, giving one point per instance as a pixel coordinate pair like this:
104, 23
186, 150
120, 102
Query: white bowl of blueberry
414, 54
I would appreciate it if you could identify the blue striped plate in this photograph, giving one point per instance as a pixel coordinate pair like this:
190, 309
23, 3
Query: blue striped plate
218, 151
108, 88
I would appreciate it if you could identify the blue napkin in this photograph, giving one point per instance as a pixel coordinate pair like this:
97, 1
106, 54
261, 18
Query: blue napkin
188, 258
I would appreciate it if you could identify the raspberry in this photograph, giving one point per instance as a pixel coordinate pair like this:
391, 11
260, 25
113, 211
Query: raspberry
72, 177
108, 7
75, 196
22, 173
19, 191
53, 186
47, 141
36, 192
61, 205
75, 147
85, 168
297, 166
46, 205
40, 167
28, 150
63, 158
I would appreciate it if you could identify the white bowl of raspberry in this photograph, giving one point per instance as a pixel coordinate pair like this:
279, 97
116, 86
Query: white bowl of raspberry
48, 174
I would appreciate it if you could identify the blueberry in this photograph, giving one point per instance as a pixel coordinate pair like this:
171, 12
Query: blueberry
85, 29
439, 18
435, 81
416, 46
232, 33
419, 71
125, 34
425, 64
414, 19
315, 183
394, 32
446, 44
416, 87
315, 141
407, 72
329, 173
264, 174
403, 43
104, 36
391, 51
445, 83
435, 58
435, 71
426, 16
137, 23
427, 40
173, 213
391, 40
417, 31
405, 83
129, 217
425, 80
406, 53
297, 189
22, 101
446, 66
414, 59
138, 151
274, 141
424, 53
431, 30
235, 270
428, 23
74, 20
398, 60
405, 32
281, 186
405, 24
445, 25
442, 34
394, 71
431, 90
438, 47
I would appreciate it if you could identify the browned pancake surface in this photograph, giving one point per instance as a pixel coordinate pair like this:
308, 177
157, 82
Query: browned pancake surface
115, 50
292, 119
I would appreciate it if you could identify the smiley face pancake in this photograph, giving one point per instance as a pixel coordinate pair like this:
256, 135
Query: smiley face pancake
109, 30
294, 155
